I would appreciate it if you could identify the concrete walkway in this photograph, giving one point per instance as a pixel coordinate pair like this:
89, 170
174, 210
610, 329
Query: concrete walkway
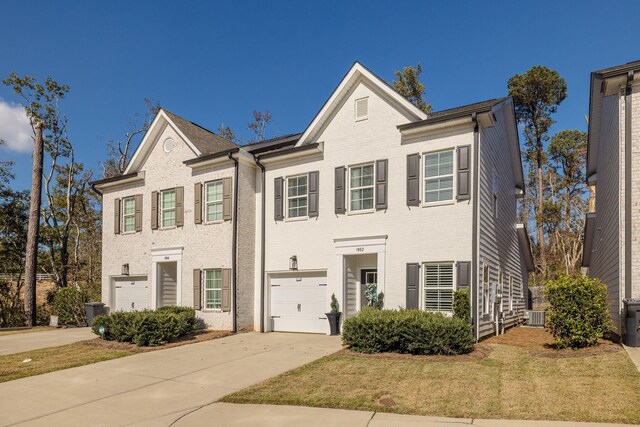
634, 355
17, 343
226, 414
151, 388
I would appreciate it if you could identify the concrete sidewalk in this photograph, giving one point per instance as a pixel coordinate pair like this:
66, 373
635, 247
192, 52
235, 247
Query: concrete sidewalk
226, 414
153, 387
17, 343
634, 355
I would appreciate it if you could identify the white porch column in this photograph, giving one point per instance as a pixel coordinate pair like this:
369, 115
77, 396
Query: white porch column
381, 271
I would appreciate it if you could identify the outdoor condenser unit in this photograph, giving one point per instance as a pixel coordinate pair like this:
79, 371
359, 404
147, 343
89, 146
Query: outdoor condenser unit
534, 318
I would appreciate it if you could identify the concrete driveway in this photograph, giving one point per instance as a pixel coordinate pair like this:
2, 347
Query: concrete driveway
17, 343
159, 387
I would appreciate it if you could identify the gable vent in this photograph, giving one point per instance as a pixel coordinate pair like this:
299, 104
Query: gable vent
362, 108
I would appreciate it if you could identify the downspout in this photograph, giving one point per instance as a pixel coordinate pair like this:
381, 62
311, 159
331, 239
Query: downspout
234, 245
474, 250
262, 242
628, 146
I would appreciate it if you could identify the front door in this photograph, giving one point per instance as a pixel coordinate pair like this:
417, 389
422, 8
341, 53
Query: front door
367, 277
167, 283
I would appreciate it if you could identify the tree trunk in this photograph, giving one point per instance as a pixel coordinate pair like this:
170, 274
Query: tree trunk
31, 264
540, 231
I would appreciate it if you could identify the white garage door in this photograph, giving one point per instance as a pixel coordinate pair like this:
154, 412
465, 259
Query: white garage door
298, 303
131, 294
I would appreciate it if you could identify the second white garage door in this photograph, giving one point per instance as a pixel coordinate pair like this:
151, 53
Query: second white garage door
131, 294
299, 303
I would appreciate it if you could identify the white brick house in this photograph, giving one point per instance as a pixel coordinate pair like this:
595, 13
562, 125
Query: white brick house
612, 231
373, 191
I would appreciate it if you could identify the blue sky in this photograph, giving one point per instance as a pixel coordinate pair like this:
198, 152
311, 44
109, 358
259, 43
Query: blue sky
216, 62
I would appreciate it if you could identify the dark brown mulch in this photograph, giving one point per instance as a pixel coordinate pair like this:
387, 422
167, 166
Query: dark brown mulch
479, 352
198, 336
539, 342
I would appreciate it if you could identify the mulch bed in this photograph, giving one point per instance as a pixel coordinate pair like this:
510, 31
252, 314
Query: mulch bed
198, 336
540, 343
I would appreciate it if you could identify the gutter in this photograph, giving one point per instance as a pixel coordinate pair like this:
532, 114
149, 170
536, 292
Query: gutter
262, 242
234, 243
627, 184
474, 245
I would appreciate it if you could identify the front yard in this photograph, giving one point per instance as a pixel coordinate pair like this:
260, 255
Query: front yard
515, 376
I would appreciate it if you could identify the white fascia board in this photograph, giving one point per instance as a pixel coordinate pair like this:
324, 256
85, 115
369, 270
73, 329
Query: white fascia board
110, 185
428, 128
357, 71
293, 156
150, 135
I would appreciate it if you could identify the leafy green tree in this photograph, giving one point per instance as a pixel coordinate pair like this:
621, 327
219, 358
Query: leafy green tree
407, 84
41, 106
537, 94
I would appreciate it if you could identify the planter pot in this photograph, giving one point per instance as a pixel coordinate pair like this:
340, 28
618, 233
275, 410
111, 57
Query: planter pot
334, 322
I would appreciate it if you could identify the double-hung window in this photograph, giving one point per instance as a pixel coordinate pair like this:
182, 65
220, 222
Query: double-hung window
361, 183
297, 196
438, 176
438, 287
128, 214
213, 201
168, 208
213, 289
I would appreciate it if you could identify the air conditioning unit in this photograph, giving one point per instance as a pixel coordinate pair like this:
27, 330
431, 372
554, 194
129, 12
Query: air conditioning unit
534, 318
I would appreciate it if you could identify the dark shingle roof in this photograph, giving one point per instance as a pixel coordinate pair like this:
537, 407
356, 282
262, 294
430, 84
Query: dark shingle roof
203, 139
273, 143
619, 69
452, 113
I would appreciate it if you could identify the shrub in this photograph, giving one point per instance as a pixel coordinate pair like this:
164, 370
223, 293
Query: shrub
147, 327
68, 305
578, 311
406, 331
462, 305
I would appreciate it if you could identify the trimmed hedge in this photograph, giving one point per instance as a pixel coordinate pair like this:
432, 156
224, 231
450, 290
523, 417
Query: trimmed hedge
406, 331
147, 327
462, 305
579, 311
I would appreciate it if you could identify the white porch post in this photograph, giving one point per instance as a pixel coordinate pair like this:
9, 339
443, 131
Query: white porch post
381, 271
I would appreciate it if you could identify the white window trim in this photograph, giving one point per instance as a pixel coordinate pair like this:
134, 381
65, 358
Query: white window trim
426, 204
348, 188
486, 288
355, 109
162, 209
204, 290
124, 216
422, 285
207, 203
286, 204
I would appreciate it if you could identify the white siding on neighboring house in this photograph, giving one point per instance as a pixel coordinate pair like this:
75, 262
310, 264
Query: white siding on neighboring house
498, 241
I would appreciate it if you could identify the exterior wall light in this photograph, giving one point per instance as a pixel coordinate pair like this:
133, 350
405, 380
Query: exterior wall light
293, 263
125, 269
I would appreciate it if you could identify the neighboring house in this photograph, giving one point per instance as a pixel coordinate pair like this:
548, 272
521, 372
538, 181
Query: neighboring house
612, 235
374, 192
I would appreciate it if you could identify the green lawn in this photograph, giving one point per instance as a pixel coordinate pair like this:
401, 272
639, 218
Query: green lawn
511, 382
52, 359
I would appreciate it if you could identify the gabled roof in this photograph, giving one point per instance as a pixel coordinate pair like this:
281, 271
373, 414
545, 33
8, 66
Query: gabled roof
605, 82
205, 140
355, 75
452, 113
273, 143
201, 141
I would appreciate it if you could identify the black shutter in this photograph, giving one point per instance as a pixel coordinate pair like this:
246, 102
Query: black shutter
138, 212
313, 193
464, 175
278, 213
381, 183
197, 203
117, 215
413, 284
340, 190
463, 275
413, 180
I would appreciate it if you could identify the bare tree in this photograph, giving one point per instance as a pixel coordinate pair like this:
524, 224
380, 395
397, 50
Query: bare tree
120, 150
259, 125
42, 110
